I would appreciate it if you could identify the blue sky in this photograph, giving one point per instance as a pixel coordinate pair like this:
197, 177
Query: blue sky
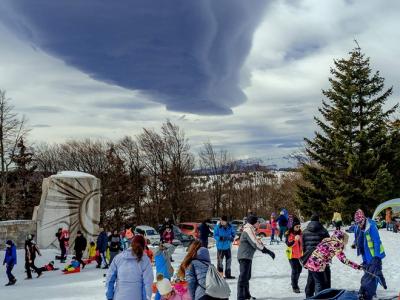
246, 75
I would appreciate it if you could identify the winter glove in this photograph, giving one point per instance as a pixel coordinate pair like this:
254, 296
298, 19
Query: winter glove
269, 252
353, 246
221, 238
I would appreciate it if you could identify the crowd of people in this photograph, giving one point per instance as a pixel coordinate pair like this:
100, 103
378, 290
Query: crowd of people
130, 261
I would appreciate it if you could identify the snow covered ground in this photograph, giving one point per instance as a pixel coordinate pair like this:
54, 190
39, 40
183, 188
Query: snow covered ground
271, 279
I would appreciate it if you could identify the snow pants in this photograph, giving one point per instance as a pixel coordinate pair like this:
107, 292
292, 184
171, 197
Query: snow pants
63, 251
310, 286
282, 230
28, 266
296, 271
79, 255
112, 255
10, 276
227, 254
243, 289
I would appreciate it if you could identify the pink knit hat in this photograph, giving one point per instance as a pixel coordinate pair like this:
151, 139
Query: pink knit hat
359, 217
338, 234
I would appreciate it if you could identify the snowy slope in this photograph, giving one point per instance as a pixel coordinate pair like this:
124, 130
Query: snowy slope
271, 279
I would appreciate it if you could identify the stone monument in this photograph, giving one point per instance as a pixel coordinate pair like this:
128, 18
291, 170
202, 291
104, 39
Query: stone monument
69, 200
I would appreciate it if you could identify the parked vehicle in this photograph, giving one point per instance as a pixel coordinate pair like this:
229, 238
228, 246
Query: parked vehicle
190, 228
181, 238
264, 230
215, 220
151, 235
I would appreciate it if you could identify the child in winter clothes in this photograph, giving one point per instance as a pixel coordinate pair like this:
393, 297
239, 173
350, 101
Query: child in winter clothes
92, 252
322, 256
162, 259
10, 260
73, 266
169, 292
48, 267
168, 235
274, 226
294, 251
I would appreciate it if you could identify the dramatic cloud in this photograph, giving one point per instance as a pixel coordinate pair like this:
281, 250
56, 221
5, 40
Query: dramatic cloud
186, 54
292, 48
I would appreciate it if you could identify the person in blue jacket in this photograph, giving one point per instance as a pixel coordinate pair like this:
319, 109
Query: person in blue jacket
10, 260
224, 235
369, 246
162, 261
204, 233
102, 244
130, 275
282, 223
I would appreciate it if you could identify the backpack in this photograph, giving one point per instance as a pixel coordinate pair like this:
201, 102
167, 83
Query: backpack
216, 285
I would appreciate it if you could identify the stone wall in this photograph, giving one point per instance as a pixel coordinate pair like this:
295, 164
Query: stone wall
16, 230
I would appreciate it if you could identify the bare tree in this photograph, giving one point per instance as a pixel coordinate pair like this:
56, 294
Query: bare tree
215, 164
12, 130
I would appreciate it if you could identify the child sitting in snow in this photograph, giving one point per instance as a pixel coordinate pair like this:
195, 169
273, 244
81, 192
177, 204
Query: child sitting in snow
48, 267
74, 266
169, 292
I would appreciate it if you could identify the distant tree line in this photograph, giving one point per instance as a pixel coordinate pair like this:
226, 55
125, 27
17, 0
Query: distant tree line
143, 178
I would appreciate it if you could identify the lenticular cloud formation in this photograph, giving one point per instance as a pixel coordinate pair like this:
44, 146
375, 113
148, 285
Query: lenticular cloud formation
186, 53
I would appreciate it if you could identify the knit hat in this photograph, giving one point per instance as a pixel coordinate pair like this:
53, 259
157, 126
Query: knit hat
9, 242
315, 217
164, 286
224, 218
296, 221
338, 234
138, 239
252, 219
359, 217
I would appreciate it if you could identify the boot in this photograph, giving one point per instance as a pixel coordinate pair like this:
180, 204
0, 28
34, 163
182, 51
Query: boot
296, 290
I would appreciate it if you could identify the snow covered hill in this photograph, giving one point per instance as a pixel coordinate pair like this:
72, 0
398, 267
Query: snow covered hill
271, 279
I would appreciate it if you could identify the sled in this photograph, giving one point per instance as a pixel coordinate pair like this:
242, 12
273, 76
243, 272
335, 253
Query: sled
334, 294
77, 270
89, 260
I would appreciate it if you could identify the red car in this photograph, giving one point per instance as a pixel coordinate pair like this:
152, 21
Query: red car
190, 229
264, 230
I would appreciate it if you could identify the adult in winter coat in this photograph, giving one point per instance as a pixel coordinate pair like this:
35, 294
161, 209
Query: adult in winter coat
80, 247
196, 274
63, 239
337, 220
130, 275
282, 222
30, 254
312, 236
248, 246
102, 244
115, 244
294, 251
10, 260
224, 234
322, 256
369, 246
204, 233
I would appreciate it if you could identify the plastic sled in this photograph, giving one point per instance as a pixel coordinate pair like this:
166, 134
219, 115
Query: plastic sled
77, 270
333, 294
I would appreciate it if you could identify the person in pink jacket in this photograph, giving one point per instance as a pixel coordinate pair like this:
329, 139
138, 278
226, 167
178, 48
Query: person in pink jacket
168, 292
322, 256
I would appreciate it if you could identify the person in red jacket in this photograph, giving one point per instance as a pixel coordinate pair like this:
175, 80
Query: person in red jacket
168, 235
294, 251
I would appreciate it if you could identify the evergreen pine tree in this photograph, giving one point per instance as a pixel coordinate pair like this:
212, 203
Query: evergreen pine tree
346, 169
